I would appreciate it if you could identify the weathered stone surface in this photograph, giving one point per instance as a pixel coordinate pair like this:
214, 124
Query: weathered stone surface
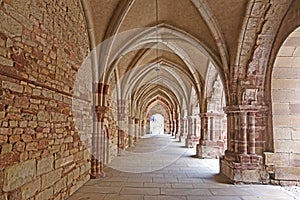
63, 161
60, 185
21, 102
36, 96
5, 131
33, 146
12, 86
9, 25
14, 138
287, 173
68, 139
6, 62
51, 178
277, 159
58, 117
19, 146
18, 175
45, 165
6, 148
30, 189
45, 195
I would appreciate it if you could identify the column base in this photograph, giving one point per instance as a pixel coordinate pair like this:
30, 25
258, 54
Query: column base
97, 176
191, 141
244, 168
182, 138
210, 149
131, 141
136, 139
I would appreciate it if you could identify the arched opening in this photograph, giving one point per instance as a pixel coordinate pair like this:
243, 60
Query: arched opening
213, 119
157, 124
286, 110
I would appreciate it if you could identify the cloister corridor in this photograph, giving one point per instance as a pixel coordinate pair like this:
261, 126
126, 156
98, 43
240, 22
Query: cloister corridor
182, 177
149, 99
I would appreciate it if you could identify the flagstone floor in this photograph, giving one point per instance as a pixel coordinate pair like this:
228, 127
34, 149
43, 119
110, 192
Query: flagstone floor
160, 168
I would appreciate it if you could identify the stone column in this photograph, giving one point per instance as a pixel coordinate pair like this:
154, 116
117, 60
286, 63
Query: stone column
131, 131
243, 158
190, 140
189, 128
170, 127
174, 128
142, 123
211, 145
137, 130
98, 144
178, 128
211, 127
195, 126
204, 134
182, 130
121, 125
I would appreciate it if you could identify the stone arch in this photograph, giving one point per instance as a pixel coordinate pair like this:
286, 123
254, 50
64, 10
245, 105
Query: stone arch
248, 113
213, 142
285, 96
259, 30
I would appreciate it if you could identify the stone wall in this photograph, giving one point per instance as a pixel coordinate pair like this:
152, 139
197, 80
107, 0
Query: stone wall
285, 161
42, 44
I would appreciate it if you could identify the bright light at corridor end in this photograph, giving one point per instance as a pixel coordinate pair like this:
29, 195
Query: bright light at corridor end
84, 102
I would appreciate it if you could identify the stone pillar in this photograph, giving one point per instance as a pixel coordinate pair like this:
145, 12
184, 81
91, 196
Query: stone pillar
98, 144
121, 124
211, 145
170, 127
182, 135
195, 135
142, 123
189, 137
131, 131
178, 128
204, 134
137, 130
192, 138
195, 126
243, 158
174, 128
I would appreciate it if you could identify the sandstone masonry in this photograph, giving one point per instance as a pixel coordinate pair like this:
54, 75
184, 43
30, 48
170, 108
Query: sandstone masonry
42, 44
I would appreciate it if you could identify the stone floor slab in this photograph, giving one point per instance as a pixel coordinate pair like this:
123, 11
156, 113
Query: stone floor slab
228, 192
185, 192
141, 191
165, 198
123, 197
87, 196
100, 189
187, 178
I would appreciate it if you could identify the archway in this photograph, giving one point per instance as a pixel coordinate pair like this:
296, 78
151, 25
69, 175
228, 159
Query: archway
286, 110
157, 124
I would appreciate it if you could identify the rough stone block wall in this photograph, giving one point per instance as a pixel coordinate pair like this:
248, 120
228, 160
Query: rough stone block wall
286, 110
42, 44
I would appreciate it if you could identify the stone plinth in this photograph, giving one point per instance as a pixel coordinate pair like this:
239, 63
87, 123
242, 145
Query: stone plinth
191, 141
243, 168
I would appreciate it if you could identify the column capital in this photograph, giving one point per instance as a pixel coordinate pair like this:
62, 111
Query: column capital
101, 88
245, 108
208, 114
101, 111
202, 114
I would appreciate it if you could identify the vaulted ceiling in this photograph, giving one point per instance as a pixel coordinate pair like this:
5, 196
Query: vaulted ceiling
163, 49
